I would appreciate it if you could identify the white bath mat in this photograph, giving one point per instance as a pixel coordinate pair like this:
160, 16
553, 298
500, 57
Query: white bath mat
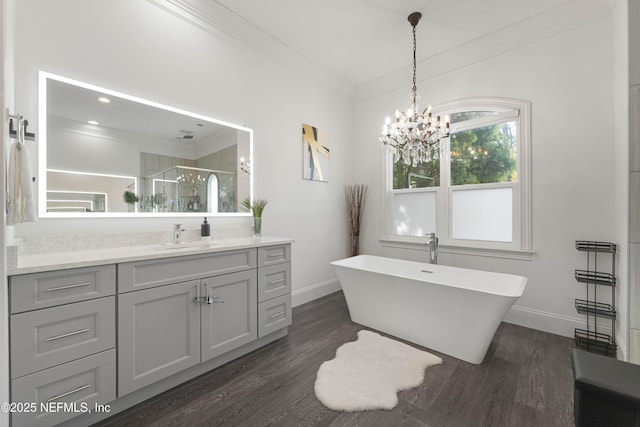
367, 374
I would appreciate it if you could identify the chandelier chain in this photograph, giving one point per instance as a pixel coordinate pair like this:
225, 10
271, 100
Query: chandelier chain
414, 89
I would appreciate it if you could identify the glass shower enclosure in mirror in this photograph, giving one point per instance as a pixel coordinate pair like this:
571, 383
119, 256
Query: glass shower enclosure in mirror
105, 153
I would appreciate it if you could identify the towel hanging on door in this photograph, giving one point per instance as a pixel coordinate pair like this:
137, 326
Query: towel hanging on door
21, 206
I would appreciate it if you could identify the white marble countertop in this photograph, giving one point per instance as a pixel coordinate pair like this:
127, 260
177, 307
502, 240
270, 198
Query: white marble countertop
49, 261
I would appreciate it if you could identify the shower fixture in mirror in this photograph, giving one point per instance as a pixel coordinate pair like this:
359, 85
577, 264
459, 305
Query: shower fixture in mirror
107, 154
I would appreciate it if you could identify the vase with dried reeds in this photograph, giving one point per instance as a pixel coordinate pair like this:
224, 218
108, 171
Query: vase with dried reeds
355, 196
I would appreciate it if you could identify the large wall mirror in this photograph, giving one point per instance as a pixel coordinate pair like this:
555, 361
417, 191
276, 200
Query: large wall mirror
105, 153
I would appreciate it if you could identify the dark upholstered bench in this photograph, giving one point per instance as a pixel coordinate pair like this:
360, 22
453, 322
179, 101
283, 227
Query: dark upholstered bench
607, 391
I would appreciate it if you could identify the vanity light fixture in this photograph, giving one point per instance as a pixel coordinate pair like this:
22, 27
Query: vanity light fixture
414, 137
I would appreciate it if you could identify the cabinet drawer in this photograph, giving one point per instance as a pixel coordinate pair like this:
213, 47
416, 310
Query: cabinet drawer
274, 254
274, 281
274, 314
44, 338
66, 390
146, 274
40, 290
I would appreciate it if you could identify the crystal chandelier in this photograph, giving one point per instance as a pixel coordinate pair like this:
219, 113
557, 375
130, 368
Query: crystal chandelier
415, 137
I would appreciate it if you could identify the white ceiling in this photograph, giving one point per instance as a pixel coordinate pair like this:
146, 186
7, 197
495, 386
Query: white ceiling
361, 41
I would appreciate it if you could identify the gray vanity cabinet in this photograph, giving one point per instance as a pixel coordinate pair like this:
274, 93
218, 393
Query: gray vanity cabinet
166, 325
158, 334
228, 313
88, 336
62, 341
274, 288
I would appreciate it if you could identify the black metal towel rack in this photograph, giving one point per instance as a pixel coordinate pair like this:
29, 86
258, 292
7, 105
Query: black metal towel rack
591, 339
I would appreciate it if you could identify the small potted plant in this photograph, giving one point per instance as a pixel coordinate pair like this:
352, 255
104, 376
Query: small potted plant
255, 207
130, 199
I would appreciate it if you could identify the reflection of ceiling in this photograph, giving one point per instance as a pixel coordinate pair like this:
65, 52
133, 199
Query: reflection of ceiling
64, 196
81, 105
357, 42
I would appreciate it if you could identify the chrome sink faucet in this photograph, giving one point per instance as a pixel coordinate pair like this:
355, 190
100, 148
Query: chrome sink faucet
432, 242
177, 233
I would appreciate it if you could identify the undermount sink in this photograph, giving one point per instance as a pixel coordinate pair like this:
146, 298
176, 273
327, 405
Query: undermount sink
188, 245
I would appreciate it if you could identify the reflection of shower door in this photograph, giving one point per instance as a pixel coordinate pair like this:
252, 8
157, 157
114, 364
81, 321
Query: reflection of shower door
212, 193
164, 192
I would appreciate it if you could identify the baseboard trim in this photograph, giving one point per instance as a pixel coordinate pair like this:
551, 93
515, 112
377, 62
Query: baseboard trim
623, 352
315, 291
549, 322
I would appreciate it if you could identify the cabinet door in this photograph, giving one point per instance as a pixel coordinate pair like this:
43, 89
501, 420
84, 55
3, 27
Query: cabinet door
158, 334
229, 317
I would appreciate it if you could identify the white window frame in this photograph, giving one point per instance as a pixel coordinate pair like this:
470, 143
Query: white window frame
508, 109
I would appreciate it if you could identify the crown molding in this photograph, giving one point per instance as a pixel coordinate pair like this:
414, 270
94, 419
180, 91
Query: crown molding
224, 24
564, 18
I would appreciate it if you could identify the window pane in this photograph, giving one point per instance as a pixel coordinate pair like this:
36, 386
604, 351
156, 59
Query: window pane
468, 115
484, 155
482, 214
422, 175
414, 214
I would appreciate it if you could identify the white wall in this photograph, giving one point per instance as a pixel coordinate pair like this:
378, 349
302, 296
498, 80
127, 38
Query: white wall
633, 20
140, 49
6, 100
568, 79
621, 168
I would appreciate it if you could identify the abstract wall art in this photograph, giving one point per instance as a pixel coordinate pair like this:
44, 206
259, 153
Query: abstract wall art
315, 154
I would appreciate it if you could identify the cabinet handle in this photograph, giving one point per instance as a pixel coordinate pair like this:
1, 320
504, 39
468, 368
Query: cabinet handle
276, 315
206, 299
70, 334
60, 396
273, 282
60, 288
275, 255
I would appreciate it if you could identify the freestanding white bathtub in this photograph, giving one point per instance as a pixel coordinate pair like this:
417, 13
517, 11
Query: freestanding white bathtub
452, 310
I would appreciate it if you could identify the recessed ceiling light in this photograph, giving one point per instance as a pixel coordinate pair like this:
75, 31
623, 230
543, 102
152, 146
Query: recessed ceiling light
92, 122
104, 99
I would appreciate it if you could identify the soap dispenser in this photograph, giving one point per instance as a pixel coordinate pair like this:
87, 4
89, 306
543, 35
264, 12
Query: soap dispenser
205, 230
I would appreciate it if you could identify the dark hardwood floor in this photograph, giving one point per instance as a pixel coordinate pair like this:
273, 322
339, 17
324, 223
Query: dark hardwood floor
525, 380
